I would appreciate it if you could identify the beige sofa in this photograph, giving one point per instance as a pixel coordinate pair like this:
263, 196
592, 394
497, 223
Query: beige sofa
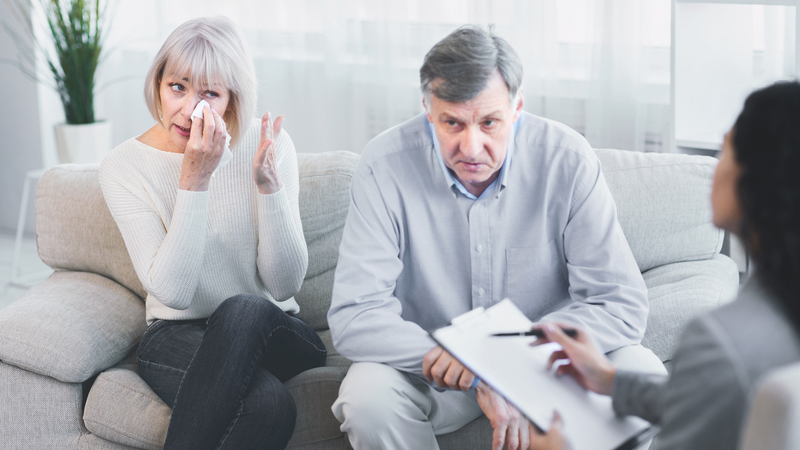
68, 376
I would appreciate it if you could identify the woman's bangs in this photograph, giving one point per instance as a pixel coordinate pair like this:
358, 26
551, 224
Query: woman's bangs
203, 66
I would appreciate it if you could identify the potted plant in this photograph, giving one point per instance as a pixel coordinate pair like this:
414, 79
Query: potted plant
76, 29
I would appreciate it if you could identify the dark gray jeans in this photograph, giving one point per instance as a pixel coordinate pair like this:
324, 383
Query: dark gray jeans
223, 377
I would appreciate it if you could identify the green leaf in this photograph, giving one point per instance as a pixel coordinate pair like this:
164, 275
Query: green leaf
76, 28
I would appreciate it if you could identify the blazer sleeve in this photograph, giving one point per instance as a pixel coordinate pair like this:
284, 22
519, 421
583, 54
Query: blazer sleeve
702, 403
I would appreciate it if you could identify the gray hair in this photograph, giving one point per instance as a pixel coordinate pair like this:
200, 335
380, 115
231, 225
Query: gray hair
210, 49
462, 63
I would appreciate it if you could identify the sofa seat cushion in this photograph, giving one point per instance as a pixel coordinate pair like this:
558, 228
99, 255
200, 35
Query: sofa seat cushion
680, 292
663, 205
90, 441
122, 408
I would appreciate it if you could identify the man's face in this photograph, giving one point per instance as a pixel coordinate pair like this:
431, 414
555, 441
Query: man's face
473, 135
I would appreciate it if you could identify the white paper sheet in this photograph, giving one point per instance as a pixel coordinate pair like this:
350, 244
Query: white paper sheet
519, 373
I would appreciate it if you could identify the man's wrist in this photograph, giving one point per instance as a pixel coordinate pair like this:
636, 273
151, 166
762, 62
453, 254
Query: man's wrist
475, 383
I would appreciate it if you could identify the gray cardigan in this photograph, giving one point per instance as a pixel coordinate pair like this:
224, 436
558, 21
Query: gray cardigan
717, 366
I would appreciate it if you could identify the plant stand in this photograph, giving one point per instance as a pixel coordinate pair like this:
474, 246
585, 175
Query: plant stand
16, 279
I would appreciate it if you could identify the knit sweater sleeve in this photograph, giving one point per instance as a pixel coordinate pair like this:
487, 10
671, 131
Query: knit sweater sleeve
167, 257
282, 251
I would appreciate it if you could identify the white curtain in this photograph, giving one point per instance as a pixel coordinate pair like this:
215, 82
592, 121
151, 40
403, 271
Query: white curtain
344, 70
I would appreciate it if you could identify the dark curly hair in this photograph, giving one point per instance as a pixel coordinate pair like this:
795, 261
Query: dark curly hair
766, 142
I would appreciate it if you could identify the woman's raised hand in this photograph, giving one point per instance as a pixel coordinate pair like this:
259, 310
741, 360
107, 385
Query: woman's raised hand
203, 151
265, 164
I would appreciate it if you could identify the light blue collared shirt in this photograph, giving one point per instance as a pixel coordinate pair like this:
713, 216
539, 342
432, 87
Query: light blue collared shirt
415, 252
453, 181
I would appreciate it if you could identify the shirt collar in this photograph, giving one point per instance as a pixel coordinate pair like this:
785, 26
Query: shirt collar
502, 177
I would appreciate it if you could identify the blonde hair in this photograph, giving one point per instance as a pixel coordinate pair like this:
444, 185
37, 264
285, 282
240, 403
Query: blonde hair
212, 50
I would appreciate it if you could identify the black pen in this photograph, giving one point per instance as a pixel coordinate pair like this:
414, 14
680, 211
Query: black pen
571, 332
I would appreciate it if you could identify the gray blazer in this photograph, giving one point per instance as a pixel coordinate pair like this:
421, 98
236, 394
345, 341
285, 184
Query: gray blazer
717, 366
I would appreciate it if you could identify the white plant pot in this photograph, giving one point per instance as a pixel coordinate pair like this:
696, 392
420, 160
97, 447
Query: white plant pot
83, 144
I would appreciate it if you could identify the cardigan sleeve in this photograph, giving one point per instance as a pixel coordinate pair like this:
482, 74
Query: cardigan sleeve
167, 257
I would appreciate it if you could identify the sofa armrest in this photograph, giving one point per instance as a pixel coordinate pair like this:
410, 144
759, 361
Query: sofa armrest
71, 326
679, 292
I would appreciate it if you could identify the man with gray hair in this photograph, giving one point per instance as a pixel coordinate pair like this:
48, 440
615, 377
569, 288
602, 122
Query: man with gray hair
472, 202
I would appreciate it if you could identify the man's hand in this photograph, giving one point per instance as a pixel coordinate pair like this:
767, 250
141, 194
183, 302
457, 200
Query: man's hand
440, 366
552, 440
587, 363
511, 429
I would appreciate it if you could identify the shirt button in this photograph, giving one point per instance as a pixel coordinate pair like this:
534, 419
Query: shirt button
479, 248
481, 291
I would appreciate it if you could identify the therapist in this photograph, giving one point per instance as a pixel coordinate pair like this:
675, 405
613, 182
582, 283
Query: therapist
722, 355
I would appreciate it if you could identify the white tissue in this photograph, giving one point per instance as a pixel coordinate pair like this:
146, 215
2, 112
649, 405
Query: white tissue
227, 155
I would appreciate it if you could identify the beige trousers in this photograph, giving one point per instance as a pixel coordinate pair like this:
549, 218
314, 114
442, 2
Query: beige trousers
382, 408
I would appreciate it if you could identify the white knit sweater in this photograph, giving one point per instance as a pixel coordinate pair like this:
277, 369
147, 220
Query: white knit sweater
193, 250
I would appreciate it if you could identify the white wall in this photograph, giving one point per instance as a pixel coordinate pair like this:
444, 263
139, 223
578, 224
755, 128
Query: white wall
20, 138
342, 71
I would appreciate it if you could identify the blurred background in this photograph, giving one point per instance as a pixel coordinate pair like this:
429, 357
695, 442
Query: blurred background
641, 75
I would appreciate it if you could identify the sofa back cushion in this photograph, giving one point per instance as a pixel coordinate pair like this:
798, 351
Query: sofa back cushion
75, 230
662, 202
324, 201
663, 205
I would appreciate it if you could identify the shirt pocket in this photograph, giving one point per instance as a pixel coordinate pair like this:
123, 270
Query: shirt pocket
536, 276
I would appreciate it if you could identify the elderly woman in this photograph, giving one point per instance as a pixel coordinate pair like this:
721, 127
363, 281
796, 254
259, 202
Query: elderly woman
218, 246
755, 195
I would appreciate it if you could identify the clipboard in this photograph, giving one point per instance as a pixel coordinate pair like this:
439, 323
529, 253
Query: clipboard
519, 373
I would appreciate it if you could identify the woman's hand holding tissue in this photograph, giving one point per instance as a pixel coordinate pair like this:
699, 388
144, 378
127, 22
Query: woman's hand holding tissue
265, 165
203, 151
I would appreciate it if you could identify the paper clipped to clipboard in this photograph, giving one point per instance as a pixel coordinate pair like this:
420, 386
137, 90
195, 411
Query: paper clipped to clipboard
519, 373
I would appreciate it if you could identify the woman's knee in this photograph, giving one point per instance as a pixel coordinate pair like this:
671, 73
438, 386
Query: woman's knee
245, 310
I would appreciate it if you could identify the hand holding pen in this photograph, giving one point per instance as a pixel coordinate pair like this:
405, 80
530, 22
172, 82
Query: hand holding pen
537, 332
587, 363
